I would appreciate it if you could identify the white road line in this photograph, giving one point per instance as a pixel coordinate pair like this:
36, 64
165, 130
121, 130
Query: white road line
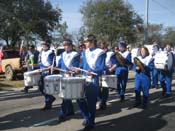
44, 122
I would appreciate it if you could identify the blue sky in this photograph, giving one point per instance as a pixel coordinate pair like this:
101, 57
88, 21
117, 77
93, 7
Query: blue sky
160, 11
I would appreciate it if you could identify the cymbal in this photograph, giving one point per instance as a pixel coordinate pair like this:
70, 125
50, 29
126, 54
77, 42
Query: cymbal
139, 63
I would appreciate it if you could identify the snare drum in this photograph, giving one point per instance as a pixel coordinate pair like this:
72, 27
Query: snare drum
164, 60
32, 78
72, 88
88, 79
52, 84
109, 81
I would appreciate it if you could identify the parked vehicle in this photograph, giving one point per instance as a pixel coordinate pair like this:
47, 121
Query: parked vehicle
10, 63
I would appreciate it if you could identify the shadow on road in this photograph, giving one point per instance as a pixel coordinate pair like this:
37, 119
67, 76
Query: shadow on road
11, 95
150, 119
26, 118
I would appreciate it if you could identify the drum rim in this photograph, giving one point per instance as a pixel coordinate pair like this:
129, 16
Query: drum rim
172, 57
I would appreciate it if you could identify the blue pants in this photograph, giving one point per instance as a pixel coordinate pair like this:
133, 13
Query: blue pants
66, 108
48, 98
166, 81
142, 83
155, 75
103, 95
104, 92
88, 105
121, 83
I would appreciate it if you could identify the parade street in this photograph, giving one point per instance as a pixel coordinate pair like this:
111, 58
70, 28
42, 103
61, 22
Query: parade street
21, 112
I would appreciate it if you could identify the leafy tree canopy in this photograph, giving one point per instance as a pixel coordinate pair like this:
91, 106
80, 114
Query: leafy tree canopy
27, 18
111, 20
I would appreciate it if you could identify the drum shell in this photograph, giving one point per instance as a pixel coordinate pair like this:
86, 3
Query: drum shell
72, 88
164, 61
32, 78
52, 84
109, 81
88, 79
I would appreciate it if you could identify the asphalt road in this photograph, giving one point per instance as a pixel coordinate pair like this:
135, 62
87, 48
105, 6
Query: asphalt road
21, 112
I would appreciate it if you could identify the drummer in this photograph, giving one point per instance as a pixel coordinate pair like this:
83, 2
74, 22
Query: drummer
155, 72
46, 61
31, 60
110, 65
93, 60
122, 70
143, 78
69, 59
166, 76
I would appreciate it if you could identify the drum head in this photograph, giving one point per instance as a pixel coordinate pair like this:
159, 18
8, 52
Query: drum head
170, 62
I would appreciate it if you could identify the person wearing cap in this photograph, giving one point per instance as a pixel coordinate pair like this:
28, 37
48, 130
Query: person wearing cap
31, 60
93, 60
166, 75
110, 66
46, 61
122, 70
81, 47
155, 72
69, 58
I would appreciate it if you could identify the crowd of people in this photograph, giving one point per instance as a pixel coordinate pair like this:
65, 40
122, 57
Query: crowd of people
101, 61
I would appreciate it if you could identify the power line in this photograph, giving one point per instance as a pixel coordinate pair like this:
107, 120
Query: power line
172, 11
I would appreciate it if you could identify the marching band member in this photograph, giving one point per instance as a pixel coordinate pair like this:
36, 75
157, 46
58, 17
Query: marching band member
122, 70
46, 60
110, 65
143, 77
69, 59
166, 76
31, 60
155, 72
93, 60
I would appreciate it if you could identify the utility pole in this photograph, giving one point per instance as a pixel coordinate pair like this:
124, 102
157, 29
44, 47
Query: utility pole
146, 23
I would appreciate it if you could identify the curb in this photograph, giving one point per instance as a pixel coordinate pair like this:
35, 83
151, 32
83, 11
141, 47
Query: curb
10, 88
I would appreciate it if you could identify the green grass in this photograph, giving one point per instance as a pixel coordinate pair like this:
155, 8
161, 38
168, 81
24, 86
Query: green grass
18, 82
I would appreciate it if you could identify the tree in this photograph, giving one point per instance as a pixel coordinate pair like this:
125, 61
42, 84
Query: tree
25, 18
111, 20
78, 36
169, 36
60, 34
155, 32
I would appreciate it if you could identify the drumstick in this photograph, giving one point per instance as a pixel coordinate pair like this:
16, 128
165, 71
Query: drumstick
51, 69
85, 70
62, 70
44, 69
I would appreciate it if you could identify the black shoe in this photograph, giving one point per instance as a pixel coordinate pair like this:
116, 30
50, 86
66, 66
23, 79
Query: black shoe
85, 123
46, 108
152, 87
144, 106
61, 119
102, 107
122, 98
70, 114
163, 93
167, 96
136, 104
88, 128
112, 89
25, 90
52, 100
